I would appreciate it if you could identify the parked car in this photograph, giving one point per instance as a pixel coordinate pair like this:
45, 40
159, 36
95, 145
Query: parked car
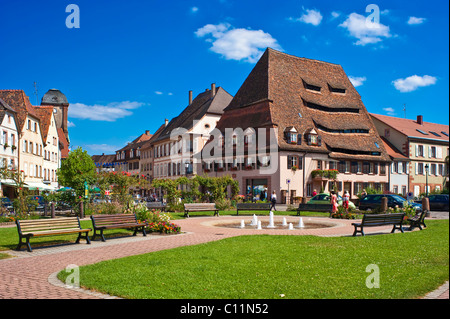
7, 203
324, 198
439, 202
38, 203
373, 201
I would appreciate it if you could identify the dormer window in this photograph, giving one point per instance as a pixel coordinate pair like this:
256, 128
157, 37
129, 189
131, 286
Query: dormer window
313, 138
291, 135
336, 88
311, 87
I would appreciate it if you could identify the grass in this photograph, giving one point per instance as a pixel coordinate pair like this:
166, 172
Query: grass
264, 266
9, 237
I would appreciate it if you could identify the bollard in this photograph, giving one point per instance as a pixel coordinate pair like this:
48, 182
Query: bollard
426, 206
52, 209
384, 204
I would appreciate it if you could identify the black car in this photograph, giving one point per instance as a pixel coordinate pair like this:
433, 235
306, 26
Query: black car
36, 203
373, 201
7, 204
439, 202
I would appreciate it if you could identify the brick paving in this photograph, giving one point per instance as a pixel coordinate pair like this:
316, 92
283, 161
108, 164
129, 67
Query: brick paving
33, 275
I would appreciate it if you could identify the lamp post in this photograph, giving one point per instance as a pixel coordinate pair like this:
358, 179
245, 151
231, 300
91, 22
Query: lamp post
186, 166
426, 180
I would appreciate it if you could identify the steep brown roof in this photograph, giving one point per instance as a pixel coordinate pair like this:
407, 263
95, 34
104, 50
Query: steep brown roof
63, 143
45, 114
17, 100
281, 91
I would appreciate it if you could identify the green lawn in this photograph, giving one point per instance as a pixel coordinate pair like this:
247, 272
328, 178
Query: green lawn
263, 266
9, 237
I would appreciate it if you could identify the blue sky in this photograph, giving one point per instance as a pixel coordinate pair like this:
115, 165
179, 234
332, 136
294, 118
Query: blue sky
130, 64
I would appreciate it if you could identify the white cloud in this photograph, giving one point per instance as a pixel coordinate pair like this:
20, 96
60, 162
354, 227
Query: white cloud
335, 14
413, 82
158, 92
194, 9
415, 20
366, 31
70, 124
389, 110
109, 113
311, 16
237, 44
357, 80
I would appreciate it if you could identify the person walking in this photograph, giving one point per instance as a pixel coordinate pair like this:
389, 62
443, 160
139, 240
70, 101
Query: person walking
273, 200
346, 200
334, 202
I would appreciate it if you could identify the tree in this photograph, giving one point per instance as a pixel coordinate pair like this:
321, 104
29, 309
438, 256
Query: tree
76, 170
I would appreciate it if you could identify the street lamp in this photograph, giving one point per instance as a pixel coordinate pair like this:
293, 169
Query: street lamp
426, 179
186, 167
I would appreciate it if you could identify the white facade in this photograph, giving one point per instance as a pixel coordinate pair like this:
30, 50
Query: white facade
9, 141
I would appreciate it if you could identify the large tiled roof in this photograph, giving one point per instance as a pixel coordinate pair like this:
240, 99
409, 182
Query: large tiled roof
279, 92
412, 128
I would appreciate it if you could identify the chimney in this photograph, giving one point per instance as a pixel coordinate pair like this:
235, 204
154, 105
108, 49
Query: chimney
190, 97
420, 119
213, 90
167, 121
147, 132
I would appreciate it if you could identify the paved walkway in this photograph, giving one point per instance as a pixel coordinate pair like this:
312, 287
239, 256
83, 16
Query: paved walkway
33, 275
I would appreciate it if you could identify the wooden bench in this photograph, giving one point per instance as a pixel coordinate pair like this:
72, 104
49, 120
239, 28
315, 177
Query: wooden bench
50, 227
372, 220
418, 220
103, 222
156, 205
314, 208
252, 206
200, 207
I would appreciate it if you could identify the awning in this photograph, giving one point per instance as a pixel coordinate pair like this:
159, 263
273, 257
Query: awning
39, 186
8, 182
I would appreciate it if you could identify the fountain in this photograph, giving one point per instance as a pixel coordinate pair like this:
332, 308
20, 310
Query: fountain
291, 227
300, 223
242, 224
284, 222
254, 221
271, 224
259, 225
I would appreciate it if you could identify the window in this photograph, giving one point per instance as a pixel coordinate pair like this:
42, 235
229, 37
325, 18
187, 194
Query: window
311, 87
336, 89
433, 170
420, 131
435, 134
445, 133
432, 152
420, 169
419, 150
292, 161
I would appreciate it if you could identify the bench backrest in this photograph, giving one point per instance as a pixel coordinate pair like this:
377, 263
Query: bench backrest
261, 206
155, 204
112, 220
323, 206
202, 206
374, 219
37, 225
